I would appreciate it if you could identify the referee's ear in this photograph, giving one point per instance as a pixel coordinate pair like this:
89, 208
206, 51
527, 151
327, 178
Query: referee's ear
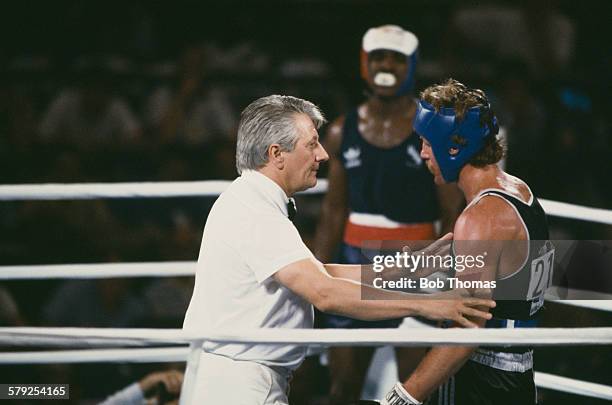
275, 156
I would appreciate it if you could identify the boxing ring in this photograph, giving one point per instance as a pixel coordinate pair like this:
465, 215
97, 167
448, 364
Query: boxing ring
172, 345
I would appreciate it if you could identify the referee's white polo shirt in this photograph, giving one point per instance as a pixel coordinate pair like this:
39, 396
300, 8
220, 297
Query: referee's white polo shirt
247, 238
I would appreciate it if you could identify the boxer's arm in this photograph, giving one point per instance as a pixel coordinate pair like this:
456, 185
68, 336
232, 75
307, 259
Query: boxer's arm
334, 209
308, 279
438, 365
474, 227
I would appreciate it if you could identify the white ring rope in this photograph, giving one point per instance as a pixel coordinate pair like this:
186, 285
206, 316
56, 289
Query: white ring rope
132, 355
569, 385
111, 337
179, 354
88, 191
573, 211
84, 191
99, 270
187, 269
92, 337
600, 305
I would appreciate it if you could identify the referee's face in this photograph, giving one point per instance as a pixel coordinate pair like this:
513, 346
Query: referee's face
302, 163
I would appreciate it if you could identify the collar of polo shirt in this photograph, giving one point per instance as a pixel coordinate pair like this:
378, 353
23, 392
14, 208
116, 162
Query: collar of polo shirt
269, 187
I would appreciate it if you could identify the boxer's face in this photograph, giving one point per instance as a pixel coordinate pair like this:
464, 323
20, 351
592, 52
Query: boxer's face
430, 160
387, 70
302, 163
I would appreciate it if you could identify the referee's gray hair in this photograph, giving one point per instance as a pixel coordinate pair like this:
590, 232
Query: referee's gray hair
270, 120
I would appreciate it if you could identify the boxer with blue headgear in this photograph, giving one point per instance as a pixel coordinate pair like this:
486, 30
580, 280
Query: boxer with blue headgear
504, 222
456, 138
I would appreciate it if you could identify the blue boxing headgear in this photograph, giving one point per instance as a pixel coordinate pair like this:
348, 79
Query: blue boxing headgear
438, 128
408, 83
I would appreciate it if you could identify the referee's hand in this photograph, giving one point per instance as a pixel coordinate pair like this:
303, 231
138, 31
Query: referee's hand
441, 307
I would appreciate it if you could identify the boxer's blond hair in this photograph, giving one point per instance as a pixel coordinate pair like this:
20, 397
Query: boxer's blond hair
456, 95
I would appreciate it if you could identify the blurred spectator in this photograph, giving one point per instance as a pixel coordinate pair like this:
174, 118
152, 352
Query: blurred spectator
67, 231
224, 158
574, 157
182, 241
193, 111
90, 115
245, 56
535, 33
525, 120
17, 119
94, 303
588, 269
167, 300
10, 315
162, 387
9, 312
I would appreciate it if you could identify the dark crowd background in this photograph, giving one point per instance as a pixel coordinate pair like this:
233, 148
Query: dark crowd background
152, 91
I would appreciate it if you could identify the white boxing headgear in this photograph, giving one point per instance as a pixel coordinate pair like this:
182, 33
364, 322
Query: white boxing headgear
390, 37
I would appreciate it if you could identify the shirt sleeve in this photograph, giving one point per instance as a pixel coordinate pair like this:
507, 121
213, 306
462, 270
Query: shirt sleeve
274, 244
130, 395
